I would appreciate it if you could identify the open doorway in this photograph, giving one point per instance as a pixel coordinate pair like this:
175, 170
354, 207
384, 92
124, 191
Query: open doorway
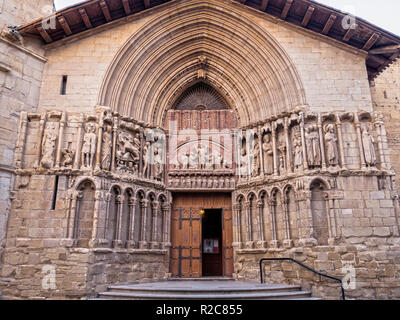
212, 243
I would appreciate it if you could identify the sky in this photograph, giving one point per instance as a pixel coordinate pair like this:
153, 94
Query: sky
382, 13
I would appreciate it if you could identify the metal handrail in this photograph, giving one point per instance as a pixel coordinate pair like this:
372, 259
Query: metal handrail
302, 265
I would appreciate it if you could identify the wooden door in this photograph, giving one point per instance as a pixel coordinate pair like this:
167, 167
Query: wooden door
186, 232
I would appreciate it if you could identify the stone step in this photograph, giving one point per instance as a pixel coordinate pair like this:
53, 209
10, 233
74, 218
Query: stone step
191, 296
205, 289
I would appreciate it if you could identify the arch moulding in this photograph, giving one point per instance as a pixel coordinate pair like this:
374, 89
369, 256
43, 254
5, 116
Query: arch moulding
195, 40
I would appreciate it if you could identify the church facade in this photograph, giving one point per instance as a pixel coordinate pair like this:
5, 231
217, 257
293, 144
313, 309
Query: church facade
186, 139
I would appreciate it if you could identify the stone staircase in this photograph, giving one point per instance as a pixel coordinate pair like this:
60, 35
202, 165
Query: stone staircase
205, 289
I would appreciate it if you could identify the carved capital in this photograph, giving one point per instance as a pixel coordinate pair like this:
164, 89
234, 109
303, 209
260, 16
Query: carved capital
260, 204
119, 199
144, 203
98, 195
132, 201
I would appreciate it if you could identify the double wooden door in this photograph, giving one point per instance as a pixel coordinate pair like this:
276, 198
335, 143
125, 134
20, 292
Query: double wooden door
187, 236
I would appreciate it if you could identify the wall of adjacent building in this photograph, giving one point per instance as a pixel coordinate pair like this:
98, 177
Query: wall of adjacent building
20, 82
385, 91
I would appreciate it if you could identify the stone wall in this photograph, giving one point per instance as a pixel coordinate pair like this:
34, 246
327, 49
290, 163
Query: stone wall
385, 91
365, 250
21, 70
334, 76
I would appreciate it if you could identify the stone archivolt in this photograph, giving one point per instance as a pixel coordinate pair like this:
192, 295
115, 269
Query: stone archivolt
211, 43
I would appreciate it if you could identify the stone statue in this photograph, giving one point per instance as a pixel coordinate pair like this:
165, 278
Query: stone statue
243, 161
298, 151
268, 155
147, 160
184, 160
194, 159
369, 147
313, 146
158, 164
49, 145
106, 148
68, 156
282, 158
203, 156
331, 145
89, 145
256, 159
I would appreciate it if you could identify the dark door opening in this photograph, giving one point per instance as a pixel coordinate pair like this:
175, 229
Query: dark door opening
212, 243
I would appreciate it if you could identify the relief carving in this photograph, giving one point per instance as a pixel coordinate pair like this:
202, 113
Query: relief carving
268, 155
128, 152
298, 152
68, 156
368, 146
106, 148
331, 145
49, 146
313, 146
89, 146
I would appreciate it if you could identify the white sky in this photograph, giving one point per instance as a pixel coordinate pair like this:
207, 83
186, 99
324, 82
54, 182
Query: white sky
383, 13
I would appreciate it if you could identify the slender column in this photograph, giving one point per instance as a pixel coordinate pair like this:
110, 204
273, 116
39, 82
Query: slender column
155, 206
108, 202
303, 141
360, 144
69, 199
114, 148
321, 141
249, 227
166, 225
378, 127
79, 143
98, 197
143, 206
118, 227
329, 210
289, 168
60, 139
261, 155
260, 206
132, 223
340, 138
99, 142
275, 151
238, 224
19, 151
288, 241
383, 134
272, 209
42, 123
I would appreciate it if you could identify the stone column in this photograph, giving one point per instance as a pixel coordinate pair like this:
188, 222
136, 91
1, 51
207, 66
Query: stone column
275, 151
114, 147
74, 217
79, 142
260, 142
99, 142
330, 211
289, 168
19, 150
60, 139
378, 127
166, 225
98, 197
155, 244
108, 202
118, 228
359, 140
321, 141
272, 209
42, 123
238, 225
287, 243
249, 226
340, 138
132, 223
303, 141
260, 206
143, 211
